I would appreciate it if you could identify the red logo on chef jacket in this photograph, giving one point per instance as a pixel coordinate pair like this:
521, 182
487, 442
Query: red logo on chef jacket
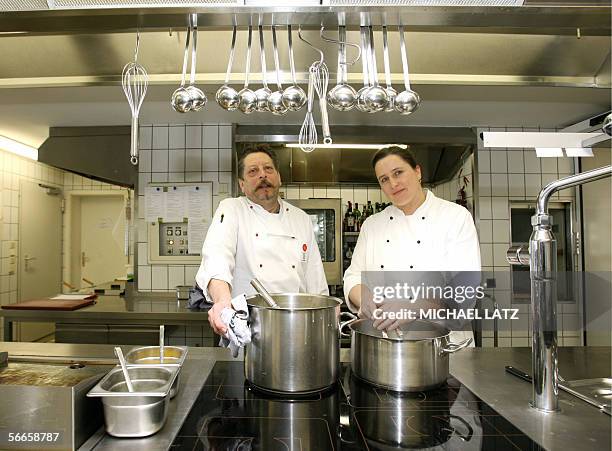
304, 249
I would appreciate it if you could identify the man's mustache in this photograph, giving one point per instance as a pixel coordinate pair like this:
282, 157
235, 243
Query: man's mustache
265, 184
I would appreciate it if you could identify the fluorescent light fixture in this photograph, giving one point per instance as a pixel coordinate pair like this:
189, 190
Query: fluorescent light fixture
549, 152
345, 146
10, 145
579, 152
519, 140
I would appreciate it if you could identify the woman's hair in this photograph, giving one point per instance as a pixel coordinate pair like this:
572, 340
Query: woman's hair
405, 154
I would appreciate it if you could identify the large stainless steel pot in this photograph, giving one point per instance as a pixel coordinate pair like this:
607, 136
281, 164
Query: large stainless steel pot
294, 348
416, 359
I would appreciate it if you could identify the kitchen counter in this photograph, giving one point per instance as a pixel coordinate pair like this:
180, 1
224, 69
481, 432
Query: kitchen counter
479, 370
577, 426
137, 310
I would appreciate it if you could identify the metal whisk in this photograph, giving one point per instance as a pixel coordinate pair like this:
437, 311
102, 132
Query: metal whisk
308, 132
318, 80
134, 80
321, 81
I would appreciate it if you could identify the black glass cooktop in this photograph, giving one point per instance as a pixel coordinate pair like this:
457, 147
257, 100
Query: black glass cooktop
230, 416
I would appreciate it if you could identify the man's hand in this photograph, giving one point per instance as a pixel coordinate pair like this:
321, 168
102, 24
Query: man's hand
214, 317
220, 292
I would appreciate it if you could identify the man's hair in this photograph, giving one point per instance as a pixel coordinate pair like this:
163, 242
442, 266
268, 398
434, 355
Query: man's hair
257, 148
405, 154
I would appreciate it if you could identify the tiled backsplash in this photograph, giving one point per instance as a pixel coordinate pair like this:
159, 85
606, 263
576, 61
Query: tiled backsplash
505, 176
174, 154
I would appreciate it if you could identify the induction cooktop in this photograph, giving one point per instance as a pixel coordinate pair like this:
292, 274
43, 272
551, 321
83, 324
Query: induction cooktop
229, 415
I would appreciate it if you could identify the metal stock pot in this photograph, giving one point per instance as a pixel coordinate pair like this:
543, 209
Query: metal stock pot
294, 348
415, 359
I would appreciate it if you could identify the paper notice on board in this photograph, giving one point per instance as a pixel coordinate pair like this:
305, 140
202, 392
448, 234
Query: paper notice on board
155, 203
197, 232
175, 204
198, 202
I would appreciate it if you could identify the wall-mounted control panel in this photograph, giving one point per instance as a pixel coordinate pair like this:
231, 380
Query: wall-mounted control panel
178, 217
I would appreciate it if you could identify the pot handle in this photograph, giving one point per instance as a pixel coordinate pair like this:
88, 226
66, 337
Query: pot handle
451, 348
346, 323
470, 431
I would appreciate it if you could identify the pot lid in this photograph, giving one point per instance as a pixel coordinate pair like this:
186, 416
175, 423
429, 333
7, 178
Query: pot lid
415, 330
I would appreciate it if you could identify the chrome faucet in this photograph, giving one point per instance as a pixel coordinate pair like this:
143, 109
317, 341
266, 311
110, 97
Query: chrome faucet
542, 260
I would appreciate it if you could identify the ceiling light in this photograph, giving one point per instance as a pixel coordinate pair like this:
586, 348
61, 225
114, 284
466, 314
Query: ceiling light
579, 152
10, 145
519, 140
549, 152
345, 146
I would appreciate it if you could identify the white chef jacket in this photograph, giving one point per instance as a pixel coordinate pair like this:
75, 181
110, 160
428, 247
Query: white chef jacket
246, 241
438, 236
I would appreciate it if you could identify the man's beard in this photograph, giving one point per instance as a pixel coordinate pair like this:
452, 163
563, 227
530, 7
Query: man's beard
264, 193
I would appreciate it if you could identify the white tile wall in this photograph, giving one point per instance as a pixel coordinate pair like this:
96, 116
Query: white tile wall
13, 169
179, 153
503, 176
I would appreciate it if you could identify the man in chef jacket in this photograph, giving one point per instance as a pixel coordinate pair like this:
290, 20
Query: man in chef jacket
258, 235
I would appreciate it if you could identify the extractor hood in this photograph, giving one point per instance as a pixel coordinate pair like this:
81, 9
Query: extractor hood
439, 150
101, 153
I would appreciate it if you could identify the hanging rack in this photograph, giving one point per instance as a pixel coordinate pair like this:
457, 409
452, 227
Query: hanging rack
340, 43
318, 50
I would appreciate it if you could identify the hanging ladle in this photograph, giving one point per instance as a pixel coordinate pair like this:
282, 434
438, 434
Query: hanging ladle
197, 96
275, 100
406, 101
391, 93
247, 98
255, 283
181, 100
343, 96
264, 92
360, 105
227, 97
375, 98
126, 375
294, 97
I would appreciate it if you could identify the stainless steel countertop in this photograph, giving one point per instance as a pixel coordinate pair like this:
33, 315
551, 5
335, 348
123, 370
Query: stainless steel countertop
577, 426
481, 370
138, 310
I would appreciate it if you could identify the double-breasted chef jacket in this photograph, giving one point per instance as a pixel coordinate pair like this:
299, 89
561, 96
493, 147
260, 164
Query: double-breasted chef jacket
438, 236
245, 241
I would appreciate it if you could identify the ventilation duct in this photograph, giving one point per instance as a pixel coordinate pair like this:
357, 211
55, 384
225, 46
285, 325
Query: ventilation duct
101, 153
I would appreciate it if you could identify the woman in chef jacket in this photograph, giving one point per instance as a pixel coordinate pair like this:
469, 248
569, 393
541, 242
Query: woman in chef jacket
417, 233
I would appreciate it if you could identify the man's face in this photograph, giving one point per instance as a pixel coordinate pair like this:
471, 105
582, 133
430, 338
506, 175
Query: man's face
260, 181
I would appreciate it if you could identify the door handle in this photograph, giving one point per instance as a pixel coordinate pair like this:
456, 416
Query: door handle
26, 260
83, 259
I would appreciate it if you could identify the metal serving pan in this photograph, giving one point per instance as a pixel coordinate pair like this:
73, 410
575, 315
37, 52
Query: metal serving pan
142, 412
149, 355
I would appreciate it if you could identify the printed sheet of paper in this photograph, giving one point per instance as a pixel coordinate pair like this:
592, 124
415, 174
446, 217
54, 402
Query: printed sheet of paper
155, 203
199, 201
175, 204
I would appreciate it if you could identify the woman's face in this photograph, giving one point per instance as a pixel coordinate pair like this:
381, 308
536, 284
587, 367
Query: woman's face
399, 181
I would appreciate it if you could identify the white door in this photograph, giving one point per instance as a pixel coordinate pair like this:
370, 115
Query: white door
102, 239
40, 251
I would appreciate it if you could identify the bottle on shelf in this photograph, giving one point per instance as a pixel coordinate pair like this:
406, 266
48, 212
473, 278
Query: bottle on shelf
348, 224
364, 215
370, 210
357, 218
